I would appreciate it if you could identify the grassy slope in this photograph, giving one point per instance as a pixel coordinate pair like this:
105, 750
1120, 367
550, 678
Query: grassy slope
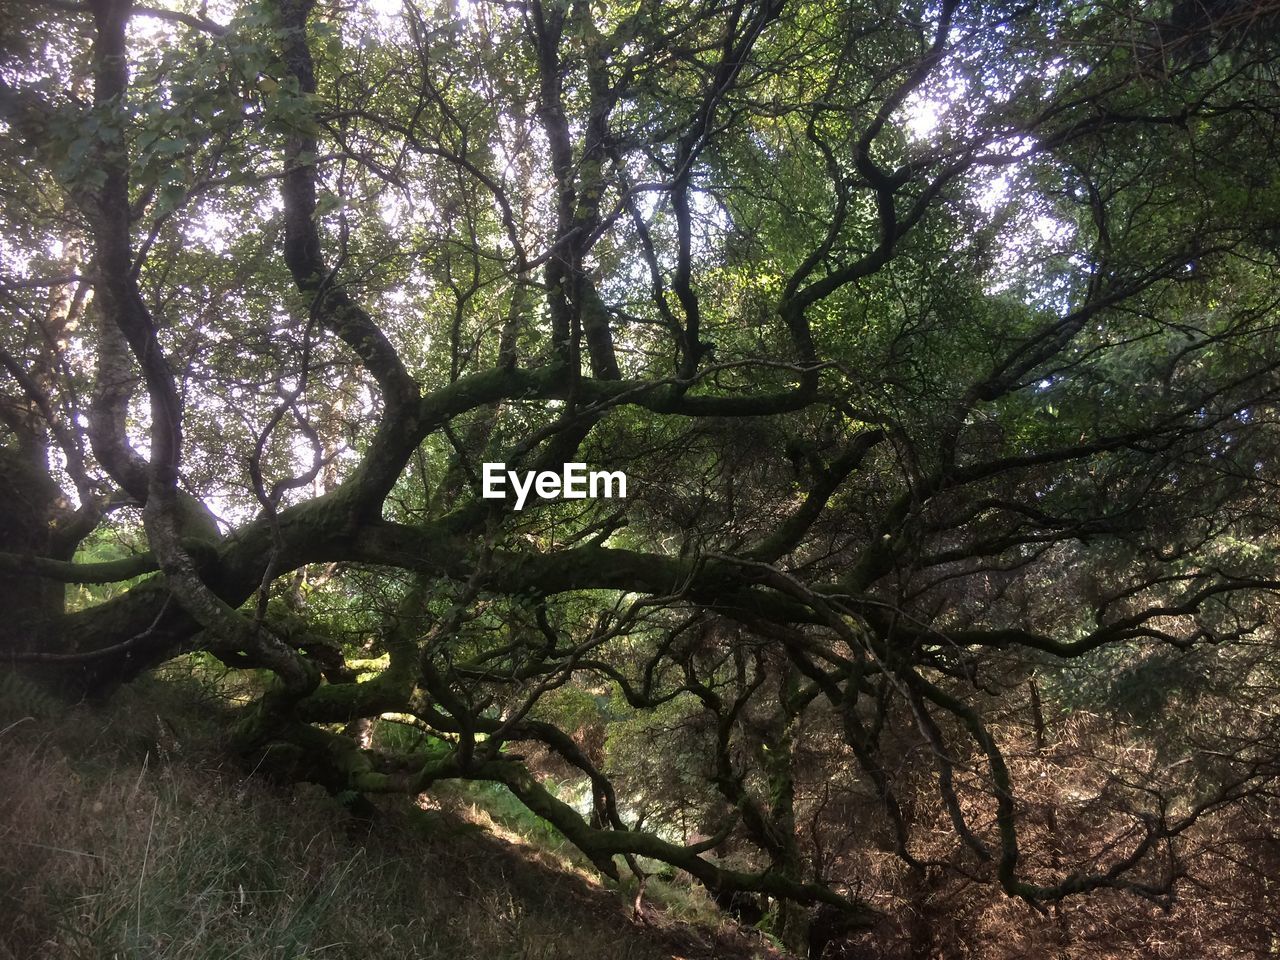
125, 833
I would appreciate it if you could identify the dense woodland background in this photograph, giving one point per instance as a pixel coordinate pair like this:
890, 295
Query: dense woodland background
939, 342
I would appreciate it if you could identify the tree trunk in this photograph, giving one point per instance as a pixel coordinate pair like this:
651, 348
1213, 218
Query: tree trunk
29, 503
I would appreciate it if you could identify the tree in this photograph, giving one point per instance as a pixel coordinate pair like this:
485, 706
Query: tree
936, 342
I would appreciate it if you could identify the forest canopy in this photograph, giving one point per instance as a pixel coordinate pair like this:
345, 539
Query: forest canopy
937, 343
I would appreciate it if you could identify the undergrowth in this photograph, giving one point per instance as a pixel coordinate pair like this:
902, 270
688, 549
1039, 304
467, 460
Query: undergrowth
128, 832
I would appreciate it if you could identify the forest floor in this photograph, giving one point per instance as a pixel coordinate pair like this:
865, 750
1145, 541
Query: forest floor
126, 831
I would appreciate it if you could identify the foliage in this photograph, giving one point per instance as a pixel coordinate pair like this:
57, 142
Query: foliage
937, 342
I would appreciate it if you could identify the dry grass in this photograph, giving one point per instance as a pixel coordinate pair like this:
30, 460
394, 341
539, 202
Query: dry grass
124, 834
